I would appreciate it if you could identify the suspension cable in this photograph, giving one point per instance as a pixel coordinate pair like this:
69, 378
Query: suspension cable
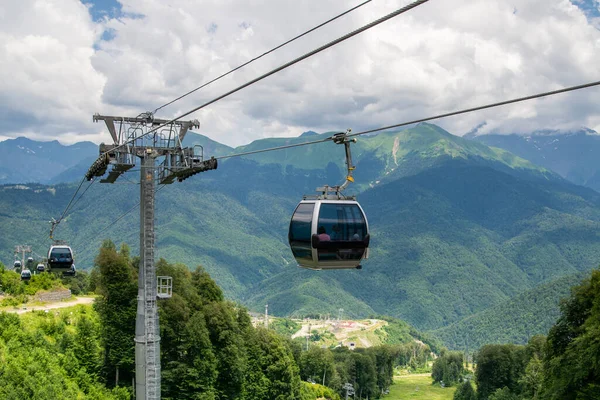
125, 213
416, 121
86, 189
56, 222
468, 110
262, 55
289, 146
281, 68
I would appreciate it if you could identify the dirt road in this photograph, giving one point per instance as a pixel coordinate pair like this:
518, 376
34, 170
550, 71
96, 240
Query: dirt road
304, 330
50, 306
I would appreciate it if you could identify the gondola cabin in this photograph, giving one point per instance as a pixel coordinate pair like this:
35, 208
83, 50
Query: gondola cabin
41, 267
25, 275
60, 258
329, 234
17, 266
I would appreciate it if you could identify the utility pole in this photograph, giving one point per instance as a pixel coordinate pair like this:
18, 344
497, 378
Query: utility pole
139, 137
266, 316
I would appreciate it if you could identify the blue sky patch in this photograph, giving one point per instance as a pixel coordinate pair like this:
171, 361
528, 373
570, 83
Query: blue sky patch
99, 9
112, 9
591, 8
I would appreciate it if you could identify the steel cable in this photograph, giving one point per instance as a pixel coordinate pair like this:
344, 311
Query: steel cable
262, 55
416, 121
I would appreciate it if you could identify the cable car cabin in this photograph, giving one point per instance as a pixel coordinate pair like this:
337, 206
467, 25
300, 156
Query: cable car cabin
17, 266
25, 275
41, 267
30, 262
60, 258
329, 234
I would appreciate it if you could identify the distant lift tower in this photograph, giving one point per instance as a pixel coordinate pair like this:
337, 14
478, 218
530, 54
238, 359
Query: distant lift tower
148, 139
22, 249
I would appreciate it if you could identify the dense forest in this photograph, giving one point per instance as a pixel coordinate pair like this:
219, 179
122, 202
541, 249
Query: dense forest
564, 365
209, 347
513, 321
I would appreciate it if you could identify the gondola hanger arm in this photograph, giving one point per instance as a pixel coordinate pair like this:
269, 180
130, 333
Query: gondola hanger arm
343, 138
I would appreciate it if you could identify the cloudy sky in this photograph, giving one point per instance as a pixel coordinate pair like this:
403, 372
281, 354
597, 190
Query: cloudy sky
61, 61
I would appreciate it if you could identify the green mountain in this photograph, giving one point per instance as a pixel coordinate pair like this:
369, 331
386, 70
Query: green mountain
389, 155
457, 227
209, 146
516, 320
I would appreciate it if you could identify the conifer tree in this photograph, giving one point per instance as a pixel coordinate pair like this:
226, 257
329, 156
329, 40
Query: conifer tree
465, 391
116, 307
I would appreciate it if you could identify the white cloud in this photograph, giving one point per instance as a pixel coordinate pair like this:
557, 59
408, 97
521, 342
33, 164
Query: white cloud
442, 56
49, 86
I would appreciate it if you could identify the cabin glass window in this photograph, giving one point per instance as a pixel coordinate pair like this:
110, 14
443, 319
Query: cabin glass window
344, 223
300, 231
60, 254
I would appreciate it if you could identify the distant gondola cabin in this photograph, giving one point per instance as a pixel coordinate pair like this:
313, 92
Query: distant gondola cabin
25, 275
60, 258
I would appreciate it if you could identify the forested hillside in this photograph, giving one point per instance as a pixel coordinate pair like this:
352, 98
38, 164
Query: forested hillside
513, 321
52, 356
560, 366
457, 227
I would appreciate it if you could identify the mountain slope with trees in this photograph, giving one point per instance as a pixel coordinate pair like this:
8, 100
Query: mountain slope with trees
513, 321
563, 365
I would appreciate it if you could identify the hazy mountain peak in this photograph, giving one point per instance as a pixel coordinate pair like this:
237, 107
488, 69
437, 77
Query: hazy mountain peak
44, 160
309, 133
476, 133
571, 154
563, 132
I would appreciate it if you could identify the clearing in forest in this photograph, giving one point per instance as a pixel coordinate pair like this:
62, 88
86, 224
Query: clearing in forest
418, 386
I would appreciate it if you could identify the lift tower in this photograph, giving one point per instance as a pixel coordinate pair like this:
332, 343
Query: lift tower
22, 249
148, 139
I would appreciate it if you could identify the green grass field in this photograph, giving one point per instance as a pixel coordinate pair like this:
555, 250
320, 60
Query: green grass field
418, 387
